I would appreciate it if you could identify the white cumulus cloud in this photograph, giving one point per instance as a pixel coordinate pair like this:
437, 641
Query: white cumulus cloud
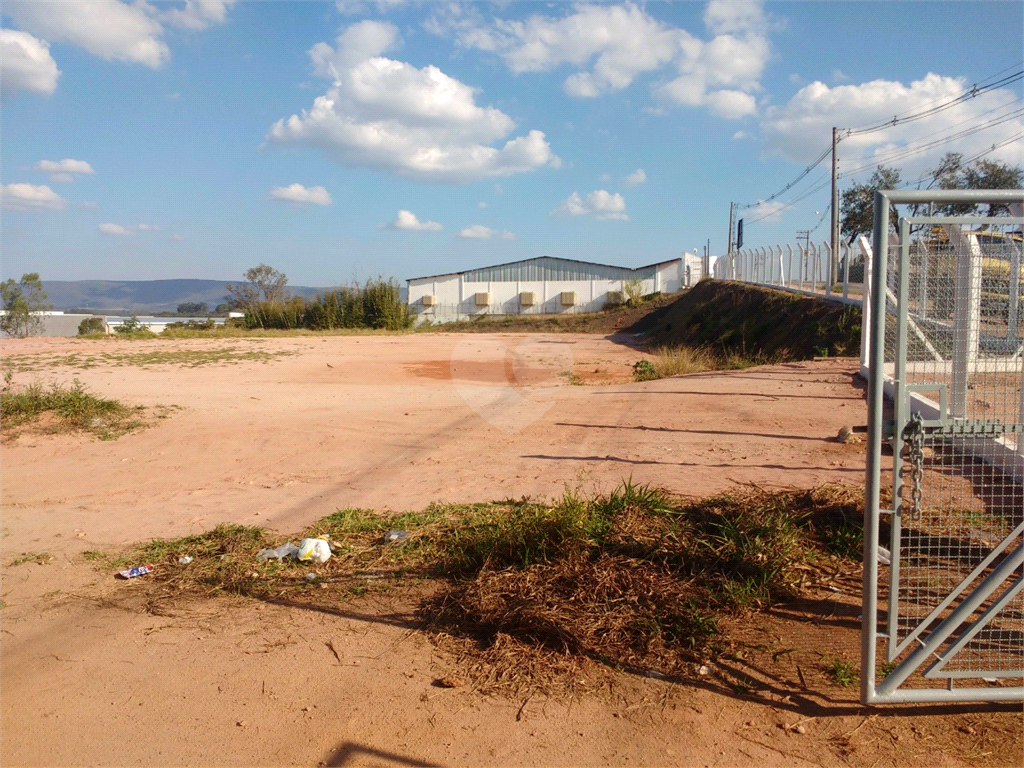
126, 229
300, 195
105, 28
197, 14
113, 229
27, 64
407, 220
64, 170
114, 30
480, 232
23, 197
418, 122
800, 129
636, 177
610, 46
600, 204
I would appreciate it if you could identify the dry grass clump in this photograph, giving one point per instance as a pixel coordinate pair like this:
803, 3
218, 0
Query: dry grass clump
529, 595
59, 408
648, 592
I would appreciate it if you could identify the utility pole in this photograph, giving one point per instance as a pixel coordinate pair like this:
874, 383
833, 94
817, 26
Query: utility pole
728, 250
833, 262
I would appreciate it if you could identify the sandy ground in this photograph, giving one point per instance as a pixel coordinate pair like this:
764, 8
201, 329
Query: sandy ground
281, 432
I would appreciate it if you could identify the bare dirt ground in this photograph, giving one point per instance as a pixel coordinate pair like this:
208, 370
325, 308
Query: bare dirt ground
280, 432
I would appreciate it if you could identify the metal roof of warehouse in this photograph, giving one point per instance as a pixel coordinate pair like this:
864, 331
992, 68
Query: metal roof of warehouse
541, 258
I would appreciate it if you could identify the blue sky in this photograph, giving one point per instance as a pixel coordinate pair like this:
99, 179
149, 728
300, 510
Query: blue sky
341, 141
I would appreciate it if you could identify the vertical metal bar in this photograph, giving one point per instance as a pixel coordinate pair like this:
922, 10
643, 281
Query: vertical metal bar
901, 415
873, 474
802, 255
967, 316
789, 265
1011, 331
1020, 418
922, 309
845, 250
867, 307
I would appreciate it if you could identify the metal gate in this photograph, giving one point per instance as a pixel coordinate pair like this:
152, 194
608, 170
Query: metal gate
944, 551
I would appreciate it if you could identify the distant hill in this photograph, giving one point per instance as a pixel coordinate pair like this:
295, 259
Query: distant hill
141, 296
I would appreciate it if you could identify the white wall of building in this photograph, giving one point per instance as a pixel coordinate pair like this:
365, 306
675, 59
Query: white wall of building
455, 299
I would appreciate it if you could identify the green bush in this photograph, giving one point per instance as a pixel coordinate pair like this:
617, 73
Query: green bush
377, 304
92, 325
644, 370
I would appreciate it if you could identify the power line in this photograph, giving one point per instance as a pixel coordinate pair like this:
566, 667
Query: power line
916, 149
965, 96
984, 81
827, 151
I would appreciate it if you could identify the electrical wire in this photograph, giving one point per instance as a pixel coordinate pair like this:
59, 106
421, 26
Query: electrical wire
827, 151
965, 96
916, 149
983, 81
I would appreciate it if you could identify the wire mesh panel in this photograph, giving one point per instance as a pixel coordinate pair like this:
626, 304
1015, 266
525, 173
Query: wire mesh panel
947, 352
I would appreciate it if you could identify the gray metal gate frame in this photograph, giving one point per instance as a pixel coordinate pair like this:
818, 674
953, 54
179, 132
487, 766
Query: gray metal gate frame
1006, 572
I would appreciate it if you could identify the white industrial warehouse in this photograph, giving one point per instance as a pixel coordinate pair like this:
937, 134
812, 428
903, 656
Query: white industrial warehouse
542, 285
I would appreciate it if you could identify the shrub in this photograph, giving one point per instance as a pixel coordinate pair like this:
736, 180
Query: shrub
643, 370
92, 325
377, 304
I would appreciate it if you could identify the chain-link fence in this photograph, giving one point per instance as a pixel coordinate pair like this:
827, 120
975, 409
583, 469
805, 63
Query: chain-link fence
949, 321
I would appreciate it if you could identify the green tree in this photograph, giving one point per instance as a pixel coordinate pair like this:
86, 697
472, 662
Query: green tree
91, 325
263, 285
193, 308
857, 209
951, 173
22, 303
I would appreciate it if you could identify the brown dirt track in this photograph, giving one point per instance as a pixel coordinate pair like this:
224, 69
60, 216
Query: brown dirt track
89, 676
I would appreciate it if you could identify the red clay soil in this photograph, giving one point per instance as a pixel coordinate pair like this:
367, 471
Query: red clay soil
94, 674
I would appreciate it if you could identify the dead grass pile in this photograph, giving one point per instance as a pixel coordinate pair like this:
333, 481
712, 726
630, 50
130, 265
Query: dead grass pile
530, 595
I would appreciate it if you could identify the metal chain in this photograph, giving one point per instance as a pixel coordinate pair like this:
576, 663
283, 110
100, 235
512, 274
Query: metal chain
914, 435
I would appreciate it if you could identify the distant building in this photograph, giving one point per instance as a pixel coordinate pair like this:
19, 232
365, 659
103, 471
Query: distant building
55, 323
542, 285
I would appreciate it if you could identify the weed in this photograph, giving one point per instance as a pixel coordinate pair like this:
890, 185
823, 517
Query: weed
70, 408
885, 668
634, 578
845, 540
841, 672
32, 557
644, 370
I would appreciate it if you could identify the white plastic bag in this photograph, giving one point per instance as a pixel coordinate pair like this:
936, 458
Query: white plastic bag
314, 551
280, 553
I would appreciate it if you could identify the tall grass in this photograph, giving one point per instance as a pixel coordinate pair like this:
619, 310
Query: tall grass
376, 304
69, 409
669, 361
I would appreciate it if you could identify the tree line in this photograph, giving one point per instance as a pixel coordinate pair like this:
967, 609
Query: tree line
858, 202
267, 303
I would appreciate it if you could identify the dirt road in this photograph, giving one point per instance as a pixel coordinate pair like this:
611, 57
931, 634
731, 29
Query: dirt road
280, 432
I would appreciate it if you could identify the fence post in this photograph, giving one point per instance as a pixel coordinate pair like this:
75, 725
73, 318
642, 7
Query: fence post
827, 246
866, 304
966, 316
845, 250
802, 267
1011, 331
